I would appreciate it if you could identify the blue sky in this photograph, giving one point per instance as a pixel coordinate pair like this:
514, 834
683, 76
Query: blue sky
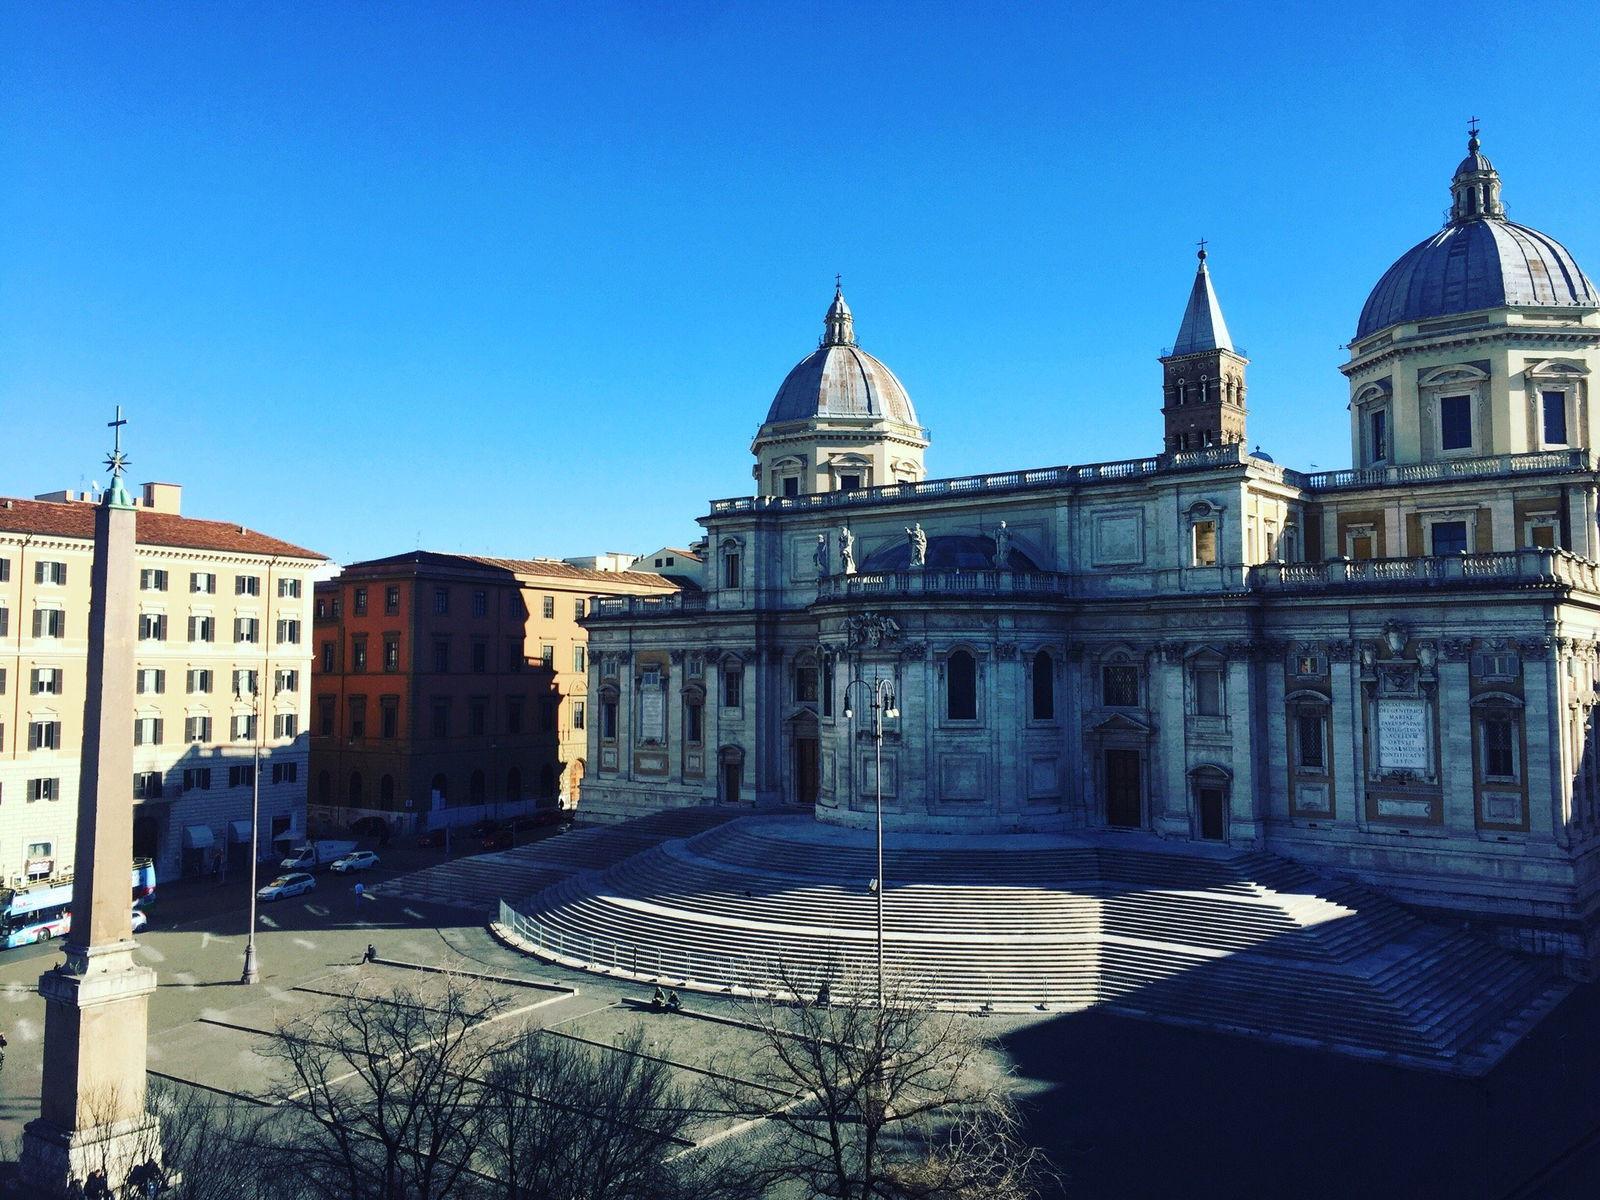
524, 279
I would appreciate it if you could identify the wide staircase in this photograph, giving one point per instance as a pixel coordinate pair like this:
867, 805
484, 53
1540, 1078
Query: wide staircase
1238, 941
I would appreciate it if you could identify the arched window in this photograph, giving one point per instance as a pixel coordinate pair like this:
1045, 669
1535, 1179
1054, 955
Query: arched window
386, 793
355, 789
438, 788
476, 790
514, 784
961, 687
1044, 687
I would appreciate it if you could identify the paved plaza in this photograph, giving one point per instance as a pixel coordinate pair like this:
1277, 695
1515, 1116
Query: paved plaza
1128, 1108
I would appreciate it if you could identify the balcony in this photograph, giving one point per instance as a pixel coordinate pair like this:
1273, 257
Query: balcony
1507, 568
647, 606
1446, 469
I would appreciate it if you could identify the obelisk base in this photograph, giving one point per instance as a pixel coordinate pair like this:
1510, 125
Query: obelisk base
94, 1117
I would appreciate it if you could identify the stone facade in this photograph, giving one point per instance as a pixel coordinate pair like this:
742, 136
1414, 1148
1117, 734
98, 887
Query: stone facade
1387, 671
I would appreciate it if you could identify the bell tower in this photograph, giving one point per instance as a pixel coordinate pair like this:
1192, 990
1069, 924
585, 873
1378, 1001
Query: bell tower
1203, 376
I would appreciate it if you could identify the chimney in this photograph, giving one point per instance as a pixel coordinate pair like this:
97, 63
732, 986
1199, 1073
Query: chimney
163, 497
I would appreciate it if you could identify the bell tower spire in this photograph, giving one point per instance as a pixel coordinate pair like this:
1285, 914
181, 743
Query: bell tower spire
1203, 374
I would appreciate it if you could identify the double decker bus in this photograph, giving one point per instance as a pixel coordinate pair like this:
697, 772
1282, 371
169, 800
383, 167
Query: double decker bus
37, 912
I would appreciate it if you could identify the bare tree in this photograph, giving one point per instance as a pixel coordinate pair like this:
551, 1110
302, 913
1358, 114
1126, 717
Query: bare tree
382, 1094
212, 1146
899, 1102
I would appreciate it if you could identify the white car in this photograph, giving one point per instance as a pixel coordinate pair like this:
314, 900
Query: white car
361, 860
140, 919
295, 883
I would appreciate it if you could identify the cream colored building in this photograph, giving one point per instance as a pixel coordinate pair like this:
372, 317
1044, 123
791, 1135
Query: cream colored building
224, 613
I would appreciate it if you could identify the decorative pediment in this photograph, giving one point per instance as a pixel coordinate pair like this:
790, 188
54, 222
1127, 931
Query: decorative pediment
1460, 373
1123, 723
1213, 770
1551, 369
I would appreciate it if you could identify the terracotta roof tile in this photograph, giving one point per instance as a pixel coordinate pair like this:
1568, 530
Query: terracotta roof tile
75, 519
551, 568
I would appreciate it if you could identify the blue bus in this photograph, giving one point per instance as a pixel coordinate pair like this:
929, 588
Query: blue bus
40, 911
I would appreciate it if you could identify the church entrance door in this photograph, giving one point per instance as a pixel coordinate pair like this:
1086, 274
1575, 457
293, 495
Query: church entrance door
1213, 808
1123, 789
805, 771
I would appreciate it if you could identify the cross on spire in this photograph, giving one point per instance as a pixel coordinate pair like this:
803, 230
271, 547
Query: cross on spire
118, 463
1202, 244
1472, 126
838, 282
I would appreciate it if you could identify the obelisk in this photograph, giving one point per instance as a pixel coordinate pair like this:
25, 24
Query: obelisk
92, 1113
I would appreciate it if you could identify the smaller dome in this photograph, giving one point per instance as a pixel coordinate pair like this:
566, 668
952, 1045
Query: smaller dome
947, 552
840, 379
1261, 454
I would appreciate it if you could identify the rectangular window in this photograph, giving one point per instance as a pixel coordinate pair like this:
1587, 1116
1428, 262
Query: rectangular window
1542, 537
1310, 740
1500, 746
46, 681
579, 662
197, 729
5, 570
149, 681
203, 582
358, 654
286, 772
49, 572
198, 681
1208, 691
202, 629
693, 724
247, 585
285, 681
441, 718
152, 579
152, 627
1455, 422
245, 681
480, 603
44, 789
288, 632
147, 785
480, 657
391, 654
391, 600
547, 657
328, 654
325, 715
477, 715
285, 725
246, 630
731, 573
1119, 685
849, 483
732, 687
389, 717
1555, 418
1205, 543
441, 655
242, 775
147, 731
826, 686
52, 623
288, 589
1378, 424
5, 621
791, 485
514, 714
608, 720
805, 685
197, 779
578, 607
44, 735
578, 715
242, 728
441, 600
358, 716
514, 657
358, 603
1449, 537
549, 607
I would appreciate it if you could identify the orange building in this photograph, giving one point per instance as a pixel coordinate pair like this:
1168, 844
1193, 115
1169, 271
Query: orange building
450, 687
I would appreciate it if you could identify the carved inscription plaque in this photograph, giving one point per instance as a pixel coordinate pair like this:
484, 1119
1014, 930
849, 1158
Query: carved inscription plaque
1402, 735
652, 715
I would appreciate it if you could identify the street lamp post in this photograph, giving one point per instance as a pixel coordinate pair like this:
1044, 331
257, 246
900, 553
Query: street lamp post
882, 706
252, 969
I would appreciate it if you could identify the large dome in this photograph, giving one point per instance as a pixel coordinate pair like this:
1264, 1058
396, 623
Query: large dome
1478, 260
840, 379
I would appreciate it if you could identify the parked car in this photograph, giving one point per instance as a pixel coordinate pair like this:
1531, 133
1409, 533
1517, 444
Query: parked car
497, 839
314, 856
140, 919
295, 883
361, 860
431, 837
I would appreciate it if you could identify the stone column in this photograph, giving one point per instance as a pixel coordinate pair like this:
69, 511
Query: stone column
92, 1117
1458, 792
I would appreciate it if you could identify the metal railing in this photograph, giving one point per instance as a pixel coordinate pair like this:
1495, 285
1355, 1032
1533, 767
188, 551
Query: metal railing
1530, 566
650, 606
1452, 468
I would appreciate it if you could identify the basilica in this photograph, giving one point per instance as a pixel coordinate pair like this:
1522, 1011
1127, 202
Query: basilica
1387, 672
